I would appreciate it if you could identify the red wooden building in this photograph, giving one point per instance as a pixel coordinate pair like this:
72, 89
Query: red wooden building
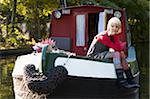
73, 28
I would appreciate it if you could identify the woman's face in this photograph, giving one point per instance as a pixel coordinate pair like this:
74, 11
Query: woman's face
114, 29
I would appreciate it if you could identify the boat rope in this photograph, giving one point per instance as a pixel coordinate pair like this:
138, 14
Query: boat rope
67, 60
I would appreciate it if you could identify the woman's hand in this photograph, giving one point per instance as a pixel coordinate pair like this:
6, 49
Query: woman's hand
111, 50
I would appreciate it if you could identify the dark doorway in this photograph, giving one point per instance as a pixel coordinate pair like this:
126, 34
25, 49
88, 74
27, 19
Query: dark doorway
92, 26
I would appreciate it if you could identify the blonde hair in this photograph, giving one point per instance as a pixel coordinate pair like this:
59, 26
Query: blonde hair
116, 21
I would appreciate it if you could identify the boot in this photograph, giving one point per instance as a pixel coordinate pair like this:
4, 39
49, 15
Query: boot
121, 81
130, 78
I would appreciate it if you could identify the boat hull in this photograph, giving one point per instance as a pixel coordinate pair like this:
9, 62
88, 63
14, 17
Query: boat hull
87, 78
93, 81
81, 87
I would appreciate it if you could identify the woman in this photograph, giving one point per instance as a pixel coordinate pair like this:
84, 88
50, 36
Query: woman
107, 45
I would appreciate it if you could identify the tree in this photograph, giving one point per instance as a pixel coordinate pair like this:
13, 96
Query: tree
36, 14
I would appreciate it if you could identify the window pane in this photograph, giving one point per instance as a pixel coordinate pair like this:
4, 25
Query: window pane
102, 22
80, 30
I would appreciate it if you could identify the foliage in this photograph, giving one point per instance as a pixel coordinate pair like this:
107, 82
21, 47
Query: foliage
33, 12
13, 39
36, 14
92, 2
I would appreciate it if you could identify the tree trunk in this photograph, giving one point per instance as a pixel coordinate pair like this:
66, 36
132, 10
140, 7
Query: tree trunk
13, 14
